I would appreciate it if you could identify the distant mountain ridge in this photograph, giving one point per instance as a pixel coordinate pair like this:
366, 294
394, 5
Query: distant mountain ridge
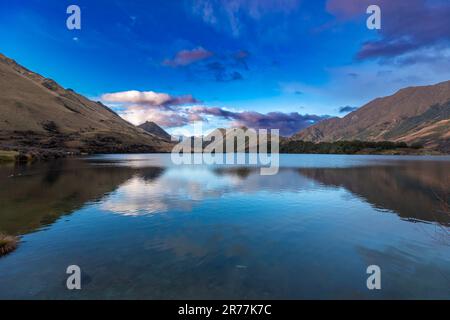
36, 112
153, 128
415, 115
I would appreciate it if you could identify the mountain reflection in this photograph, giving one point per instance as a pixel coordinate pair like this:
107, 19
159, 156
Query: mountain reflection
412, 191
36, 196
416, 191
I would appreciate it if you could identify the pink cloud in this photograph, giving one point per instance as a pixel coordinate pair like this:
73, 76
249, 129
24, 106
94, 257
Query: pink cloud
149, 98
187, 57
347, 9
287, 123
174, 111
138, 114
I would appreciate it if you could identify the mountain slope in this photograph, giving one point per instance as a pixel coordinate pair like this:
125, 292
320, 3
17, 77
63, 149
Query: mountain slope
37, 112
412, 115
156, 130
250, 141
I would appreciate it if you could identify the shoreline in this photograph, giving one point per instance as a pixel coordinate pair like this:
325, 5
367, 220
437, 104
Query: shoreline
31, 156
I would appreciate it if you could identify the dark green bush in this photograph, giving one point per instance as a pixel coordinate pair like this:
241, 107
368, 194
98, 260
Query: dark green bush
339, 147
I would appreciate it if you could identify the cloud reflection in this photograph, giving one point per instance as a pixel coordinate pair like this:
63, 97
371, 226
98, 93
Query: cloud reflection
183, 188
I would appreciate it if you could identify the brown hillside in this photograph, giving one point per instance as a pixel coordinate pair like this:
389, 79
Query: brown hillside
413, 115
37, 112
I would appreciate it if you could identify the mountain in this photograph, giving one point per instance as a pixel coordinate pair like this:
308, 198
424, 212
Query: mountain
415, 115
36, 112
156, 130
219, 138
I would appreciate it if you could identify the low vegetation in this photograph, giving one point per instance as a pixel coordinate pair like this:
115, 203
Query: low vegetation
29, 155
343, 147
7, 244
8, 156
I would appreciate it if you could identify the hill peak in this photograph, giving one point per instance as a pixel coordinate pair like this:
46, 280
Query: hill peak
154, 129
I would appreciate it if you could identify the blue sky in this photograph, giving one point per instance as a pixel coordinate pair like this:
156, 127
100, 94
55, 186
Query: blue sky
262, 63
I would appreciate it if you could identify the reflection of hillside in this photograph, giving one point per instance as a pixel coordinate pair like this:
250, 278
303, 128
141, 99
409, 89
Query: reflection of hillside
241, 172
38, 195
412, 190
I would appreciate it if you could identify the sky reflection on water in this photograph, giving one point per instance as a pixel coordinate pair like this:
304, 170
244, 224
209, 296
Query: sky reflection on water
142, 228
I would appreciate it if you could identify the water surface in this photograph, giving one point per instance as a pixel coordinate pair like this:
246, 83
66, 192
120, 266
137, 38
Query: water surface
140, 227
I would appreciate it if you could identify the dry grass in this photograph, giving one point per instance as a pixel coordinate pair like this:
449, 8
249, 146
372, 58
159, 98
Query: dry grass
8, 156
7, 244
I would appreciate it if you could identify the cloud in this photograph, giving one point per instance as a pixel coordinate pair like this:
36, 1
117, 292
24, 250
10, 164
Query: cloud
138, 114
236, 76
221, 73
347, 109
149, 98
233, 15
406, 25
423, 67
221, 67
162, 108
213, 111
347, 9
241, 58
187, 57
435, 56
172, 111
287, 123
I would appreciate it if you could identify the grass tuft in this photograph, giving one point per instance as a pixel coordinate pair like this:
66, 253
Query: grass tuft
7, 244
8, 156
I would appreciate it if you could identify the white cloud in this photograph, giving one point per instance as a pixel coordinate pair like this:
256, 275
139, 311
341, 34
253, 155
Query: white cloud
150, 98
134, 96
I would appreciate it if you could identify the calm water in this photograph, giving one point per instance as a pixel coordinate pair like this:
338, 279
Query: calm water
140, 227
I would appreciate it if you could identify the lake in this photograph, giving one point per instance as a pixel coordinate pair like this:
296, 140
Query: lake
140, 227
